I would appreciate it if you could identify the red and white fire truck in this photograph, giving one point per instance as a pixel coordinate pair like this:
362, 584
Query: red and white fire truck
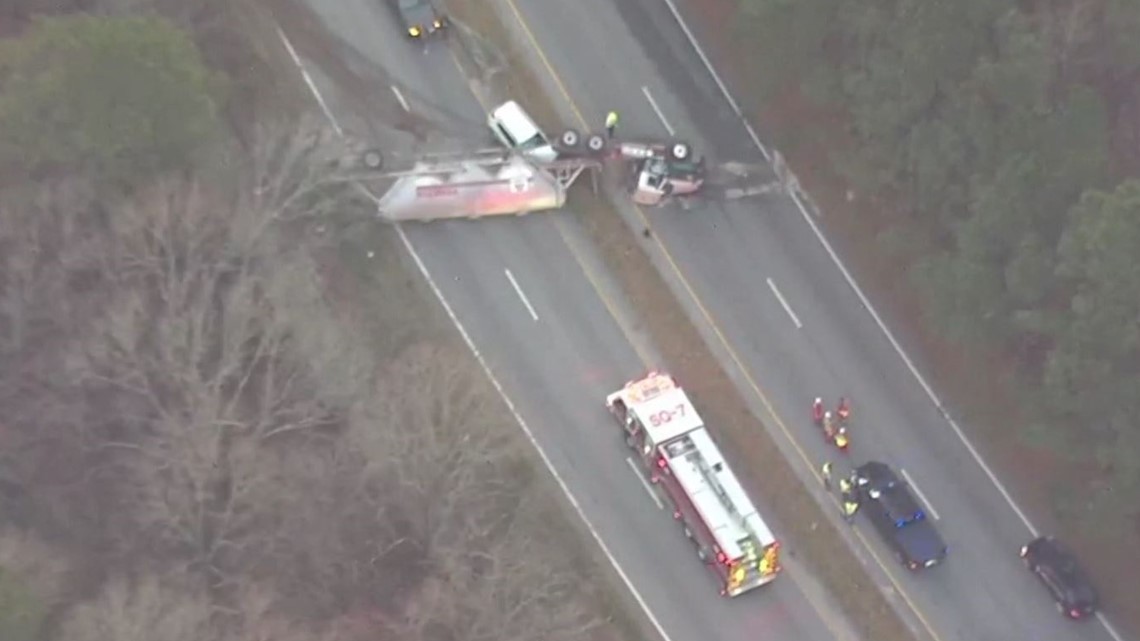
683, 461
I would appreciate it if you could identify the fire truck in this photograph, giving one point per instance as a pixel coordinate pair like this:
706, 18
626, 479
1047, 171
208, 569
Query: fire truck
685, 464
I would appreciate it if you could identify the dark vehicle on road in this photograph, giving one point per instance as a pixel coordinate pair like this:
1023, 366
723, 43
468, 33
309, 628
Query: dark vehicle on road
1057, 568
898, 517
420, 17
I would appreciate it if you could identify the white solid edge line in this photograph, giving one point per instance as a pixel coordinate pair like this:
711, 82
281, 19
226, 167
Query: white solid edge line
309, 81
645, 484
784, 302
400, 97
859, 292
495, 382
921, 495
1108, 626
716, 78
522, 295
657, 110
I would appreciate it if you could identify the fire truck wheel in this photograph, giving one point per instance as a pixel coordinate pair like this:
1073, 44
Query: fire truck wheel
679, 151
688, 533
595, 143
702, 555
569, 139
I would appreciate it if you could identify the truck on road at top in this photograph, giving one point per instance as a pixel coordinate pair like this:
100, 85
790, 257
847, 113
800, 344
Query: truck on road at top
681, 458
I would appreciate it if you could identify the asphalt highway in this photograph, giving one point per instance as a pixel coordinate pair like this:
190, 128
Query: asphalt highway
755, 276
534, 301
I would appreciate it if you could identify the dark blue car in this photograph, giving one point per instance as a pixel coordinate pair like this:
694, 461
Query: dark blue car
898, 517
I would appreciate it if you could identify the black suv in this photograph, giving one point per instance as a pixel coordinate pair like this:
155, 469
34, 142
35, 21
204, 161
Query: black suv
1057, 568
898, 517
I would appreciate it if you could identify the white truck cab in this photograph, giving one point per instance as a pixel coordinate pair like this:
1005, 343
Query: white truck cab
513, 127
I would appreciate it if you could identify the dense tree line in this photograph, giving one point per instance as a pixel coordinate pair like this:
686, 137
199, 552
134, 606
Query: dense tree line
196, 442
1010, 137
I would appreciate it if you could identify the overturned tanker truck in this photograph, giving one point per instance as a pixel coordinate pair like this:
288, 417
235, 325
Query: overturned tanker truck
488, 183
531, 173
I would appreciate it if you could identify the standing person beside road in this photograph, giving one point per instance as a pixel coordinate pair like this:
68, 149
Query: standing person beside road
611, 124
849, 501
825, 474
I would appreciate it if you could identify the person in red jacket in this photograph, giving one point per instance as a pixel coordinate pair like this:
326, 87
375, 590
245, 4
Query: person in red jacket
843, 411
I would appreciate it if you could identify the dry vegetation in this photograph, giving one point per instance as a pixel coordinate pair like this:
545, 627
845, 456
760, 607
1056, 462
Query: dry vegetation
214, 425
803, 524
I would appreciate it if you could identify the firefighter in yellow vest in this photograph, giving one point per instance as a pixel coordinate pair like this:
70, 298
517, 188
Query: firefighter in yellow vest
825, 473
849, 500
611, 124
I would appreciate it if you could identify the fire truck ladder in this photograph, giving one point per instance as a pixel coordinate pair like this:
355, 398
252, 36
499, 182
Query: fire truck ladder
746, 545
714, 482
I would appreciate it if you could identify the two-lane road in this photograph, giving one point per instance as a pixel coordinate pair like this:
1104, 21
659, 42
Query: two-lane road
533, 301
758, 274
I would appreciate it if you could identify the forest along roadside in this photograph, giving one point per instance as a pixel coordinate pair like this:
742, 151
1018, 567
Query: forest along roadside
865, 228
807, 530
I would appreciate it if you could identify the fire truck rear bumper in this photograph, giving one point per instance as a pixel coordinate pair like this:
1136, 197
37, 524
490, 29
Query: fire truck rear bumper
752, 585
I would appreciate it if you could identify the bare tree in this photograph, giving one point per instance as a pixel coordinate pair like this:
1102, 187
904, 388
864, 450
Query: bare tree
187, 354
520, 587
51, 257
149, 609
196, 335
435, 425
1070, 25
256, 615
423, 464
303, 169
43, 567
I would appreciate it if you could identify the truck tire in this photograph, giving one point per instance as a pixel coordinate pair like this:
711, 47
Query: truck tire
569, 139
372, 159
680, 151
596, 143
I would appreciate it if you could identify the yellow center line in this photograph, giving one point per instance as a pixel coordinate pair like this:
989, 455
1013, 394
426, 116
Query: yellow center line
720, 334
